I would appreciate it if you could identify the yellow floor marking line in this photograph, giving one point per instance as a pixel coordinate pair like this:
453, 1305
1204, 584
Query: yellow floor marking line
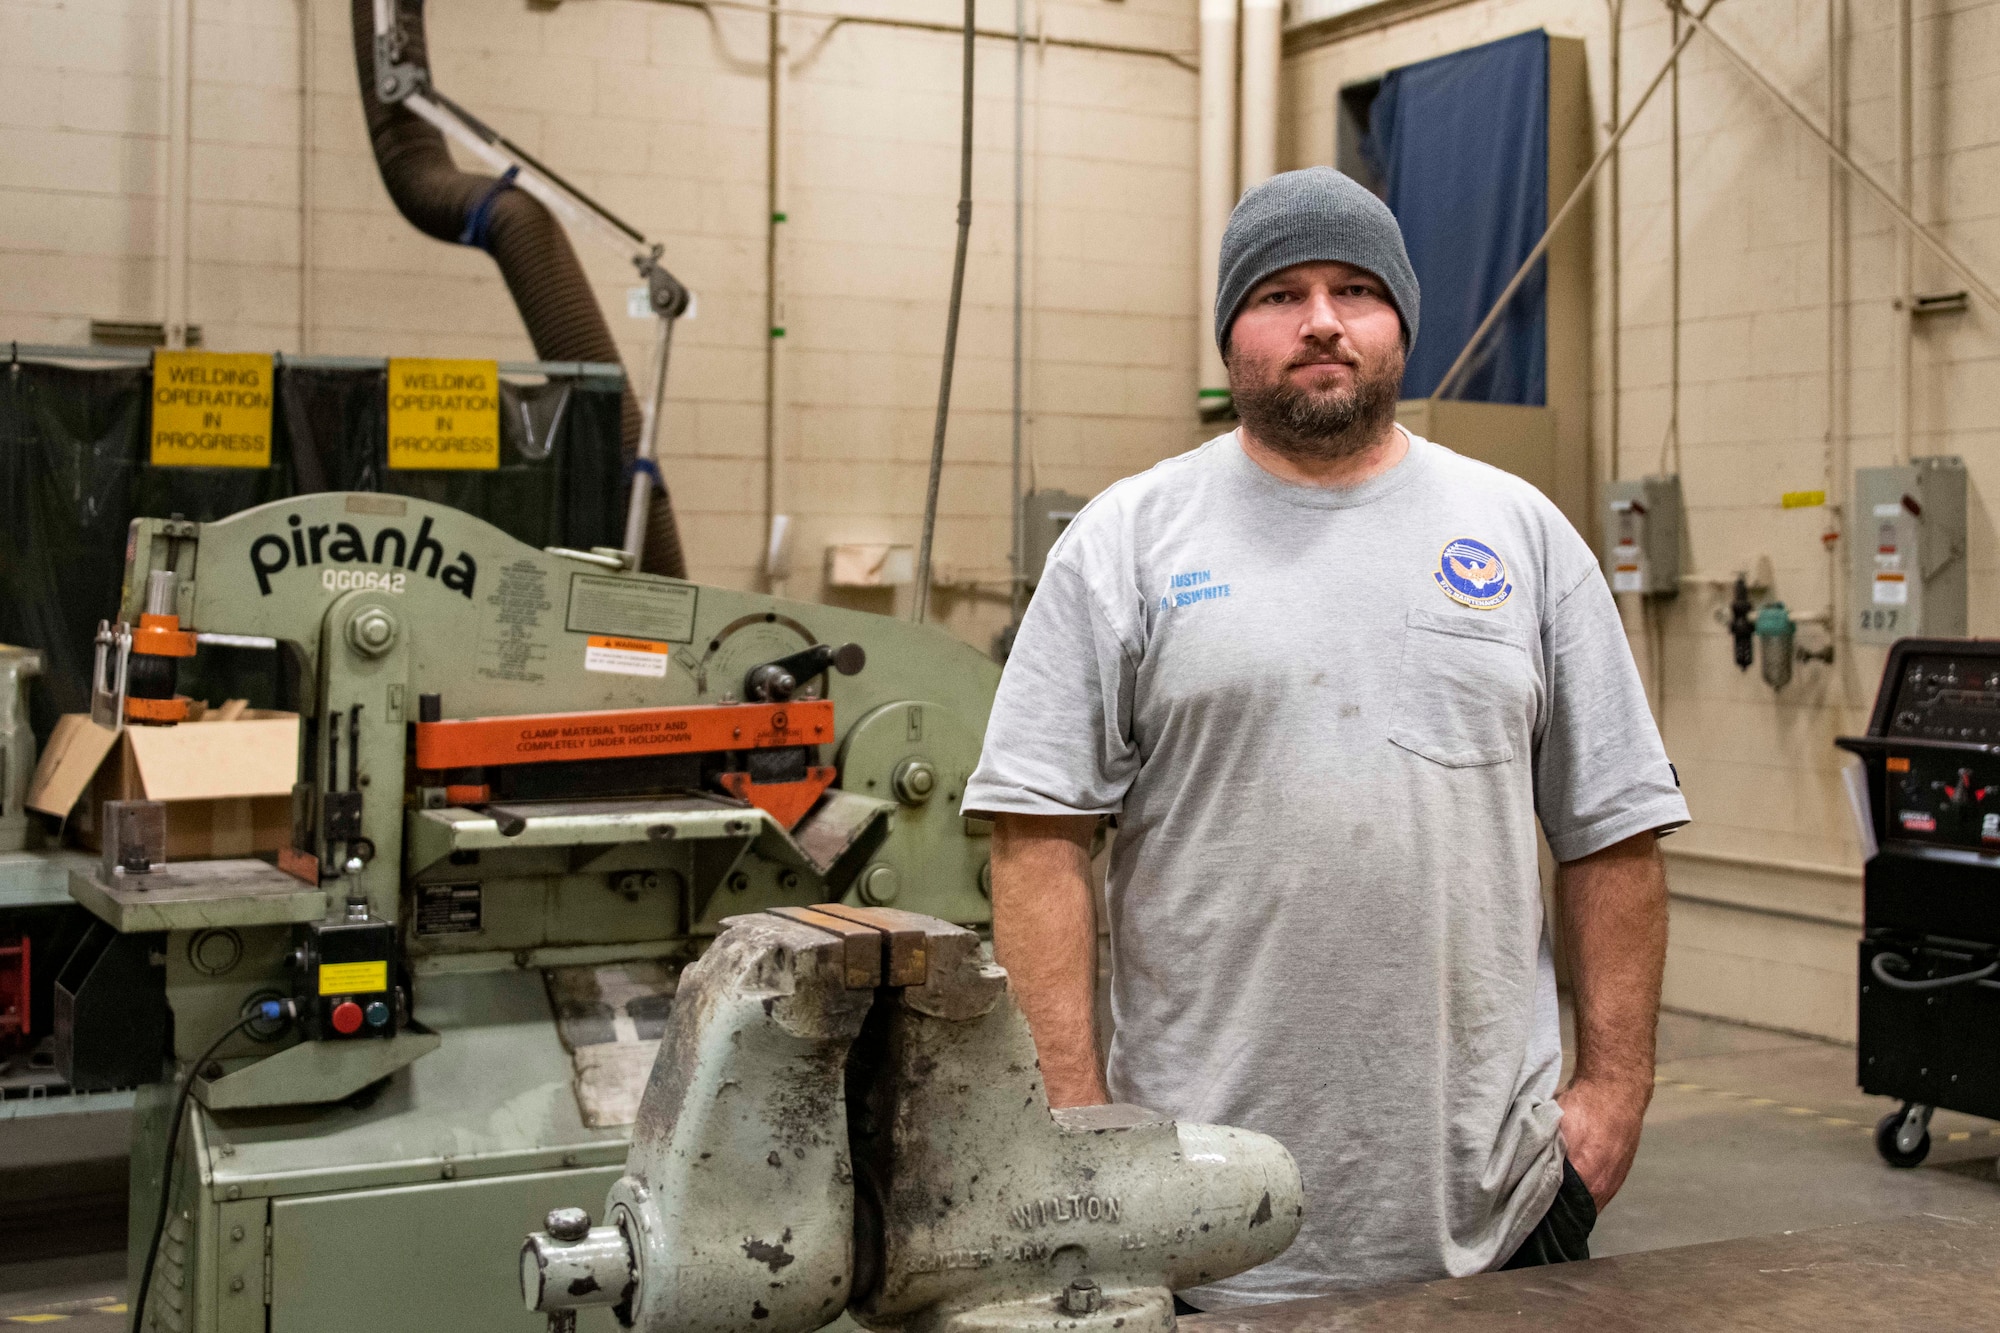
35, 1318
112, 1309
1834, 1121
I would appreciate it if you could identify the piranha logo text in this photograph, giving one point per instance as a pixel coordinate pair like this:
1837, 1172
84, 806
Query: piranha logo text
342, 543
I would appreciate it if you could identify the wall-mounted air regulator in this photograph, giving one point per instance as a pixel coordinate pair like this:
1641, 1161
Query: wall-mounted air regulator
1769, 637
1777, 636
1777, 645
1741, 627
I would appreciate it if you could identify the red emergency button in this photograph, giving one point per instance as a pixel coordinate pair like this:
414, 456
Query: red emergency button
346, 1017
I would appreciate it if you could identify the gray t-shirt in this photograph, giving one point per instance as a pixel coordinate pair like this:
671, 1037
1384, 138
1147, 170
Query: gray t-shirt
1326, 721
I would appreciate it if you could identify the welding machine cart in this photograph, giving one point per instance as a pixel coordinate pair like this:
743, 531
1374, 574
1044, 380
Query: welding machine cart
1930, 947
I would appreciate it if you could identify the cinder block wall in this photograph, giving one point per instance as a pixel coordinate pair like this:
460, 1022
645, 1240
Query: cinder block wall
660, 110
1766, 882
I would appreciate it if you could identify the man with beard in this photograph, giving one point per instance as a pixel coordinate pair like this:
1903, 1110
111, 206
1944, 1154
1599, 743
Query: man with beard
1325, 676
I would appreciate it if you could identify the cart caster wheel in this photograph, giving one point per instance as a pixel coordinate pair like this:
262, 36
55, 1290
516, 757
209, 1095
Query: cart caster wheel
1885, 1142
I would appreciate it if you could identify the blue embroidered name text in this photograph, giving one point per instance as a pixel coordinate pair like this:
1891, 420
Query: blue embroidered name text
1208, 594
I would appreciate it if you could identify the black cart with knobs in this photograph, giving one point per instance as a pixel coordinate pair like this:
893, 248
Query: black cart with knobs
1930, 949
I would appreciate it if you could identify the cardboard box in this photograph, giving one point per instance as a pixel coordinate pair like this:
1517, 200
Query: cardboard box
870, 565
226, 779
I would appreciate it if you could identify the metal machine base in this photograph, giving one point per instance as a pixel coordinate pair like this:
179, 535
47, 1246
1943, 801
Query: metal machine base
355, 1213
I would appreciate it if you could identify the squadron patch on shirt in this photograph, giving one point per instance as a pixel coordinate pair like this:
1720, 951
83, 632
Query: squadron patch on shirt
1472, 574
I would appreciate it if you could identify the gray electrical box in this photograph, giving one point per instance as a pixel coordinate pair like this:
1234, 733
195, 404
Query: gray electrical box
1642, 535
1044, 516
1907, 539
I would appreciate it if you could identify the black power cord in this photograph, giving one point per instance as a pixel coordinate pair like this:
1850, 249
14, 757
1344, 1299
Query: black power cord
268, 1011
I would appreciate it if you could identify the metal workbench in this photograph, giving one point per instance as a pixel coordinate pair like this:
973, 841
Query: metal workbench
1923, 1272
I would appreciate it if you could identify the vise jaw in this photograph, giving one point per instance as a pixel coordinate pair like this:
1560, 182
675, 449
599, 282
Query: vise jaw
847, 1114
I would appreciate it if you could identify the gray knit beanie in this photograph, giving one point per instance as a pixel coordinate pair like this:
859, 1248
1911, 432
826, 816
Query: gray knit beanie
1314, 215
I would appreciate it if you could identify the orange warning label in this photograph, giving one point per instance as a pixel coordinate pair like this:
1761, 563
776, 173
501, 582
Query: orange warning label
625, 657
476, 742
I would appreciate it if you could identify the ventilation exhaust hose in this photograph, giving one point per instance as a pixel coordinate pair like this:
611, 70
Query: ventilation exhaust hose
534, 254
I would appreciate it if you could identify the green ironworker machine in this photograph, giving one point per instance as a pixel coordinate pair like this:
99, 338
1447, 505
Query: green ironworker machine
531, 785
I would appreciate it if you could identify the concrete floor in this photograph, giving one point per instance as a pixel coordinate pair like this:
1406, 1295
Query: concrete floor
1750, 1133
87, 1289
1754, 1132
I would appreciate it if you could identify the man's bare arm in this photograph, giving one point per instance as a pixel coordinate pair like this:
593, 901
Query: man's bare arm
1045, 935
1612, 907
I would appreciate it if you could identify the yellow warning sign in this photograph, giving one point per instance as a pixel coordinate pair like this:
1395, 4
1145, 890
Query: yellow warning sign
211, 409
353, 978
1801, 499
444, 414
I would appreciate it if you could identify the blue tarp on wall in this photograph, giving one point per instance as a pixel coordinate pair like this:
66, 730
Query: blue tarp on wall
1461, 143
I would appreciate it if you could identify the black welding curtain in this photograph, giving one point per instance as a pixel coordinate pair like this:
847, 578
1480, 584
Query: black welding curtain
74, 473
1461, 144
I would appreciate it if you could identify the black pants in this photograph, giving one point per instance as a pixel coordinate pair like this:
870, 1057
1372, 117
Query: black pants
1563, 1234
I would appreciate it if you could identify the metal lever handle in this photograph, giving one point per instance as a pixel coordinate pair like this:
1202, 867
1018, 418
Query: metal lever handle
775, 682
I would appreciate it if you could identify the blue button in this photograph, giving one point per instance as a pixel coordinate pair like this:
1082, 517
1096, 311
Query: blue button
378, 1014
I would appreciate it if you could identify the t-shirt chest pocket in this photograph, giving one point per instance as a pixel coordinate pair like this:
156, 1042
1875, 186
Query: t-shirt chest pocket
1464, 691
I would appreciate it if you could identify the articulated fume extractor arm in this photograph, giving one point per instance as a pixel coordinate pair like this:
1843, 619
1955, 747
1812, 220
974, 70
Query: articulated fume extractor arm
400, 80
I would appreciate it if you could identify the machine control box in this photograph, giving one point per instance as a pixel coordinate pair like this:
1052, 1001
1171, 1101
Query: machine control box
1642, 535
1944, 790
1945, 802
1908, 551
347, 980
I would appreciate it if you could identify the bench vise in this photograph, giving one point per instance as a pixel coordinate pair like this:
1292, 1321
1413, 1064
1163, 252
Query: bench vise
847, 1115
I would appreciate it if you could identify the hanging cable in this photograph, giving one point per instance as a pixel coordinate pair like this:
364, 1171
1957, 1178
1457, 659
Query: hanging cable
1017, 509
1835, 478
268, 1011
1674, 258
922, 598
1616, 377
